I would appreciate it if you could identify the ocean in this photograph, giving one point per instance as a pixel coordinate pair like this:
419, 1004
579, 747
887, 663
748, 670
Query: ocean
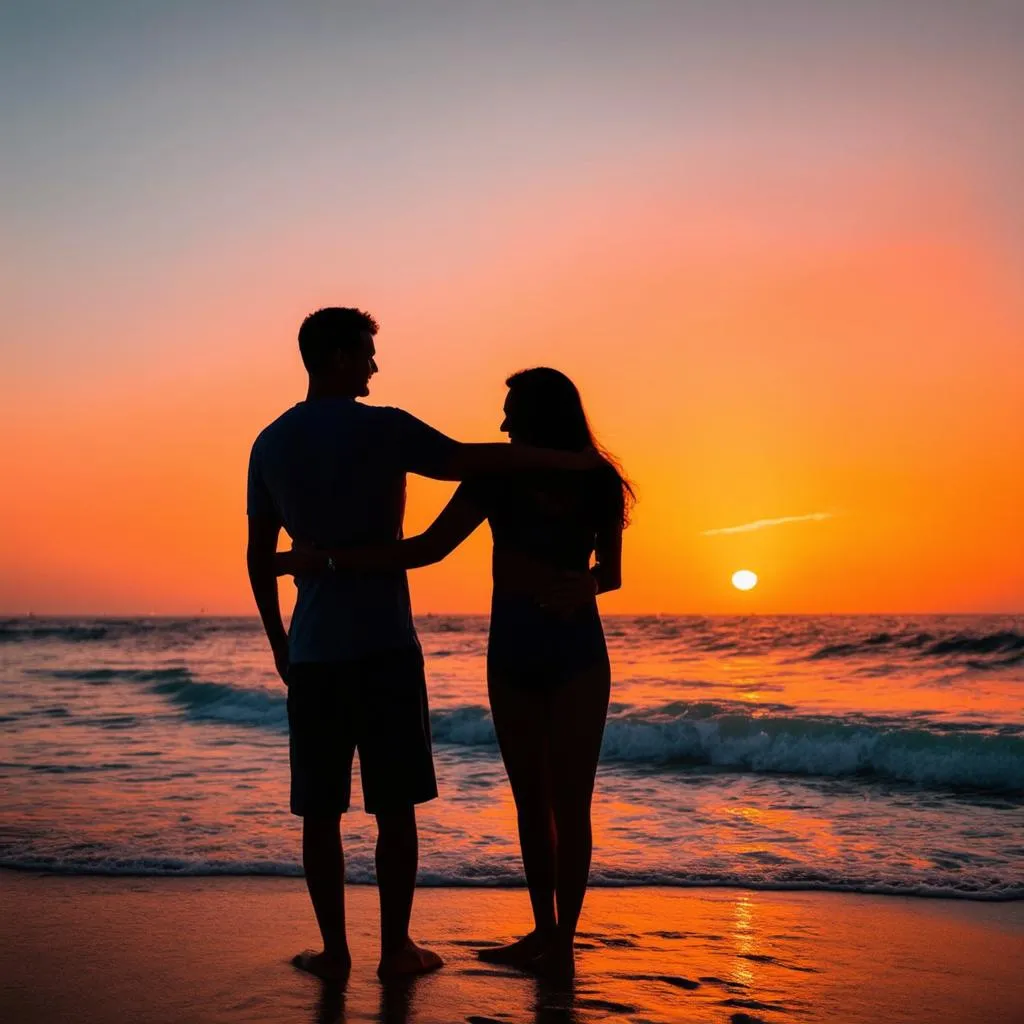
868, 754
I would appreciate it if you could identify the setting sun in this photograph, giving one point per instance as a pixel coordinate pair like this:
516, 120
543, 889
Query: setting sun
744, 579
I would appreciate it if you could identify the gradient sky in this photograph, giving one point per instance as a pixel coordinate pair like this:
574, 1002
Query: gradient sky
779, 246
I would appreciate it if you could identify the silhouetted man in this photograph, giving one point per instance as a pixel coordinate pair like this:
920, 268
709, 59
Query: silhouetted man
331, 471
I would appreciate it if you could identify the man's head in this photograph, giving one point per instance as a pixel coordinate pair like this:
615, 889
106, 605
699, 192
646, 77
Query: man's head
337, 349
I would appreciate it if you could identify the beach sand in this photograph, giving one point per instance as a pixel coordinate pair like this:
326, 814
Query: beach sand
181, 950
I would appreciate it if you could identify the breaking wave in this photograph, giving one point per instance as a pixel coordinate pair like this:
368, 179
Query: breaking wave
1007, 643
682, 734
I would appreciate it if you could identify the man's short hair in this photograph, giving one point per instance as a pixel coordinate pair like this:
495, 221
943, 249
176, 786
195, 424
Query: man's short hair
335, 327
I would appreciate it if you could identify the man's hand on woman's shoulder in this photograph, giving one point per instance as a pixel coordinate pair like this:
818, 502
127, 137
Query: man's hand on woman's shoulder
589, 458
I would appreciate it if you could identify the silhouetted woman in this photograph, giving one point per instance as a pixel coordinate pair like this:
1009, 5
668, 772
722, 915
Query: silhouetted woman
547, 665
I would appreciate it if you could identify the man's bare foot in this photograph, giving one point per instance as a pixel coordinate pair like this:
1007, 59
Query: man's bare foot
407, 961
517, 953
556, 964
328, 966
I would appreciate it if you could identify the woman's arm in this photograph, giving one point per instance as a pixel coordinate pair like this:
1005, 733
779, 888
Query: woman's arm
457, 520
607, 571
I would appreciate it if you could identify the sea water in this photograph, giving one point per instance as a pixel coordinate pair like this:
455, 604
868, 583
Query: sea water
872, 754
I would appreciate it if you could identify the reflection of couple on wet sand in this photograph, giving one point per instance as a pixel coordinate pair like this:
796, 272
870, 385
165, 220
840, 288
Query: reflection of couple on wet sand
331, 472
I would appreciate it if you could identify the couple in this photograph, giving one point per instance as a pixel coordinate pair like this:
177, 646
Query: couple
331, 472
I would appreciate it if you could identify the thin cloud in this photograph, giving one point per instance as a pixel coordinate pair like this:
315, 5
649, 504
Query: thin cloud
762, 524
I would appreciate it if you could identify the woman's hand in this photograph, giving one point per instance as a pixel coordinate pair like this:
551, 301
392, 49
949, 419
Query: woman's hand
302, 560
567, 592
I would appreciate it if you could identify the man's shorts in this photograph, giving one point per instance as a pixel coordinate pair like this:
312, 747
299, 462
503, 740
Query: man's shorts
377, 705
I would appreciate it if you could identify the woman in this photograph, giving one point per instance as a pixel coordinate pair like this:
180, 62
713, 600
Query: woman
547, 664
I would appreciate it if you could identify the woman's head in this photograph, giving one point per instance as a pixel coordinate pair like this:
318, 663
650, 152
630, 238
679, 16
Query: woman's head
543, 408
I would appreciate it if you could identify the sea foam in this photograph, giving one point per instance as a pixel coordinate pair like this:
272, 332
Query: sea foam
672, 736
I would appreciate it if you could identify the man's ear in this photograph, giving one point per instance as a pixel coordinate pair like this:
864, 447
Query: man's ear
340, 359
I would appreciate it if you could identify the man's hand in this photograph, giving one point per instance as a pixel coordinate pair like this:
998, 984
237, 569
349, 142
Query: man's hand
589, 458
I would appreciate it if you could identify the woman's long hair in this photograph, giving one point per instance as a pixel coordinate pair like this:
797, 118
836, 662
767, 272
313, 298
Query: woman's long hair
548, 412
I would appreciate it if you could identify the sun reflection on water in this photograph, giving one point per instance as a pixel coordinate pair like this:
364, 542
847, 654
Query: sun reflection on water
745, 940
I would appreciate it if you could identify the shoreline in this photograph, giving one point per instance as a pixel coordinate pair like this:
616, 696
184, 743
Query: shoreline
500, 886
216, 948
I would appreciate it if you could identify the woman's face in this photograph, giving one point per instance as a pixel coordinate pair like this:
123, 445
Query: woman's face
508, 424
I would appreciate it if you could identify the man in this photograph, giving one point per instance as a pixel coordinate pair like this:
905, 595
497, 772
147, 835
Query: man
331, 472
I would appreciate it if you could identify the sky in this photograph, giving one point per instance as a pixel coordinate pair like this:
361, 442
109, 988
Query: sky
778, 245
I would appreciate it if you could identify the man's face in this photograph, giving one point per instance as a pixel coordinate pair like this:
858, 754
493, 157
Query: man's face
359, 365
508, 425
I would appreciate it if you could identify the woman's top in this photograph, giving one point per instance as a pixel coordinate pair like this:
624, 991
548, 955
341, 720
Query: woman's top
552, 517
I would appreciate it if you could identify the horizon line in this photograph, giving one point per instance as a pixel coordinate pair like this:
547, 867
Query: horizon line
15, 616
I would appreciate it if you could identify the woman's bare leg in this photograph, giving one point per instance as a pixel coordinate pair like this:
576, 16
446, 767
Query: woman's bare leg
577, 713
520, 721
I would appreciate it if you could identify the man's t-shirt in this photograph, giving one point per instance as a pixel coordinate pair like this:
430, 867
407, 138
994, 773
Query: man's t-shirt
332, 472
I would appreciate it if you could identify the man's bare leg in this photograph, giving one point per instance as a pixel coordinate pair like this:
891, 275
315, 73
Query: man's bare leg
397, 858
323, 860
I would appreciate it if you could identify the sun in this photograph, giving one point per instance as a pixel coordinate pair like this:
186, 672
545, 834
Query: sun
744, 579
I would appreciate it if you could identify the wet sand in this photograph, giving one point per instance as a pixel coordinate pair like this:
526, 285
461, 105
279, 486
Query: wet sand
202, 950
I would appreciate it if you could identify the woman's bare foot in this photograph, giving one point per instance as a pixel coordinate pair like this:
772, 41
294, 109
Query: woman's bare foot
407, 961
328, 966
556, 964
517, 953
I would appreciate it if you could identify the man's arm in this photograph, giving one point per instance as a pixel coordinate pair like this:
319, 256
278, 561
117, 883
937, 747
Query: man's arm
427, 452
259, 557
466, 460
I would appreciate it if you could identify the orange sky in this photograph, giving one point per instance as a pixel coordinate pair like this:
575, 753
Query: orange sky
773, 306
